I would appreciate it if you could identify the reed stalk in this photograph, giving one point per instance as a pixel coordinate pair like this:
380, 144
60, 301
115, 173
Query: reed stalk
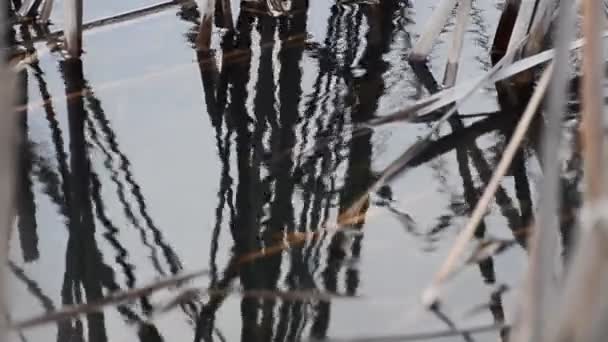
435, 24
592, 96
541, 287
462, 20
73, 27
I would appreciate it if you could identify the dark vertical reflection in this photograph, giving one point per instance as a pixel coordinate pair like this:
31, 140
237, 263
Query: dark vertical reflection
84, 268
226, 94
340, 31
292, 32
367, 90
265, 114
26, 206
215, 86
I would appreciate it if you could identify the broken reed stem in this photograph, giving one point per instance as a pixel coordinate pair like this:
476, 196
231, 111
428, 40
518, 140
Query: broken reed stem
462, 20
522, 22
431, 294
541, 22
73, 27
435, 24
592, 123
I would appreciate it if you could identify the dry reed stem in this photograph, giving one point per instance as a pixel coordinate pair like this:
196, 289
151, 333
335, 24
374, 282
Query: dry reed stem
399, 165
541, 287
448, 96
431, 294
592, 88
584, 307
522, 22
113, 298
462, 20
435, 24
73, 27
543, 17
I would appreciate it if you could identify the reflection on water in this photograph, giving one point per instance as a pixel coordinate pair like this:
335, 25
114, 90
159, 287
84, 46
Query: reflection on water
281, 159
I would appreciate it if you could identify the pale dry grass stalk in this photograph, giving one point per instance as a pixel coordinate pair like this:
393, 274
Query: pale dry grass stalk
592, 87
114, 298
541, 286
584, 307
8, 145
522, 22
431, 31
541, 22
462, 20
431, 294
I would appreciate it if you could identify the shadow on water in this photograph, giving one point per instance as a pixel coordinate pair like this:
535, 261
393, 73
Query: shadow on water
290, 162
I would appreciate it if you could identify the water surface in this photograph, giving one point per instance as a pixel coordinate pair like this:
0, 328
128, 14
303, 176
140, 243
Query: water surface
174, 160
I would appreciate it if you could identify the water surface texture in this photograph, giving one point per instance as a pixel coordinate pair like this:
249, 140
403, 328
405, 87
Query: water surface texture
148, 159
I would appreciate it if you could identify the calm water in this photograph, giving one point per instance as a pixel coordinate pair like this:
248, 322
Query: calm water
173, 161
